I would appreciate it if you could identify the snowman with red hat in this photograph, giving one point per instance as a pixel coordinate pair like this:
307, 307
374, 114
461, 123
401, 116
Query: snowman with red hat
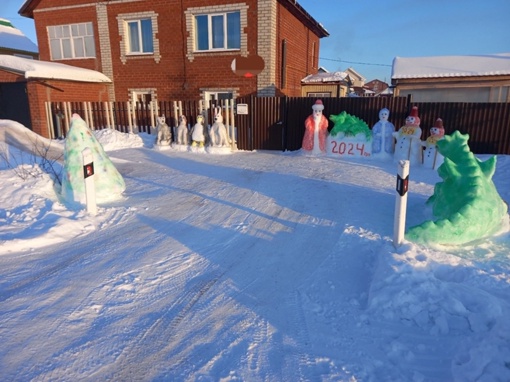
408, 145
316, 130
431, 157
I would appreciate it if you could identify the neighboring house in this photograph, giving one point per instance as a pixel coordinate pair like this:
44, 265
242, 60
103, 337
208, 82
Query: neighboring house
376, 88
483, 78
357, 79
181, 49
14, 42
26, 85
325, 84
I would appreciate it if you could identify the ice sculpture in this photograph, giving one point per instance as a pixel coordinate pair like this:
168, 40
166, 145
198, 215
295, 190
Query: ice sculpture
108, 182
466, 202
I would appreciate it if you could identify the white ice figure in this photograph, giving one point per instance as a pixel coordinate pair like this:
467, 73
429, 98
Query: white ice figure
182, 131
431, 157
383, 144
408, 145
218, 130
164, 136
109, 184
197, 135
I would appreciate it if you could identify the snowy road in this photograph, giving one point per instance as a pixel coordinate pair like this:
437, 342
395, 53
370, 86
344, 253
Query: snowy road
252, 267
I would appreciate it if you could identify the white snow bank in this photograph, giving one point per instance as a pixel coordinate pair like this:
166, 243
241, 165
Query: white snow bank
50, 70
451, 66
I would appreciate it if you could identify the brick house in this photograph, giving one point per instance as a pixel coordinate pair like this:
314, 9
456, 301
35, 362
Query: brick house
26, 85
181, 49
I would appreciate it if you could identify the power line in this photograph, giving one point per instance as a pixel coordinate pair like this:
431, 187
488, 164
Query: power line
352, 62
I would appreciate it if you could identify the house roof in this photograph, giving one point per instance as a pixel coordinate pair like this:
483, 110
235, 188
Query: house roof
355, 73
12, 38
451, 66
36, 69
297, 10
27, 10
326, 77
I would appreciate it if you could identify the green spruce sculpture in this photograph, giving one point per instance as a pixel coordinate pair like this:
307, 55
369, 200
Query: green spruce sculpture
349, 125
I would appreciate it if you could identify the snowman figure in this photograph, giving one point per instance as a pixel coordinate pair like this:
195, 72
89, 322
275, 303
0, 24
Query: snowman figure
382, 136
431, 157
408, 145
316, 130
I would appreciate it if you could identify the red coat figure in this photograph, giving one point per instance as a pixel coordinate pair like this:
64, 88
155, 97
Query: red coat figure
316, 130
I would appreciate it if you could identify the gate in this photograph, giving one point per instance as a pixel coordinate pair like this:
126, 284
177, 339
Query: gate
14, 103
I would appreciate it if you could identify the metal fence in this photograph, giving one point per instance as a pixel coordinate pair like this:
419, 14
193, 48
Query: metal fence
277, 123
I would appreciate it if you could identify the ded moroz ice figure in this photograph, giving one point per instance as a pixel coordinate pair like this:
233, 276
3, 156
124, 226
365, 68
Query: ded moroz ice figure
316, 130
408, 145
382, 136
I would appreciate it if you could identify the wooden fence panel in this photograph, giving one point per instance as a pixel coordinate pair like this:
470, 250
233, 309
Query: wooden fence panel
263, 127
488, 124
365, 108
277, 123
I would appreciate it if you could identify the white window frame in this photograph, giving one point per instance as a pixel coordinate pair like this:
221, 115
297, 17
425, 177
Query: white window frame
125, 50
72, 37
140, 37
191, 39
210, 32
319, 94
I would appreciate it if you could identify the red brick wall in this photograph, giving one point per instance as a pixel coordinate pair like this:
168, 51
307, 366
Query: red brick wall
300, 58
174, 76
80, 15
43, 91
60, 91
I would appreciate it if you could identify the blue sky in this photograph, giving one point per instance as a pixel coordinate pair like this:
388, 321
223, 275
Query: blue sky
367, 34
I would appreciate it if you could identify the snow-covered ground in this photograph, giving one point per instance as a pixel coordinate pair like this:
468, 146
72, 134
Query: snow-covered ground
250, 266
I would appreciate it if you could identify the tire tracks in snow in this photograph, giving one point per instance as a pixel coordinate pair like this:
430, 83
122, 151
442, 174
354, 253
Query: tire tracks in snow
159, 336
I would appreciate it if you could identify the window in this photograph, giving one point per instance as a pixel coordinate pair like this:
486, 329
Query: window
140, 36
218, 31
217, 95
72, 41
319, 95
138, 33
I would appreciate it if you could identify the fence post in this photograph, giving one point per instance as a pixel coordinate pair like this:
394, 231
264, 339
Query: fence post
86, 113
112, 115
49, 120
91, 115
151, 105
67, 116
129, 117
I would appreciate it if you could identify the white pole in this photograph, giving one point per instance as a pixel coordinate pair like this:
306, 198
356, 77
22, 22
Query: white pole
88, 174
91, 116
112, 119
108, 123
233, 127
401, 202
129, 117
152, 108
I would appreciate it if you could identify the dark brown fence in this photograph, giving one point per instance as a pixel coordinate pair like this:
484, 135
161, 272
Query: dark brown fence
277, 123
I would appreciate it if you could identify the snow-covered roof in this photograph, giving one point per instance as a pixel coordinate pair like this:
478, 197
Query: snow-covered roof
451, 66
12, 38
325, 77
49, 70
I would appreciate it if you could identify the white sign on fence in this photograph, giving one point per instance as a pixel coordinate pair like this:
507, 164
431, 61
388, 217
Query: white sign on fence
242, 108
